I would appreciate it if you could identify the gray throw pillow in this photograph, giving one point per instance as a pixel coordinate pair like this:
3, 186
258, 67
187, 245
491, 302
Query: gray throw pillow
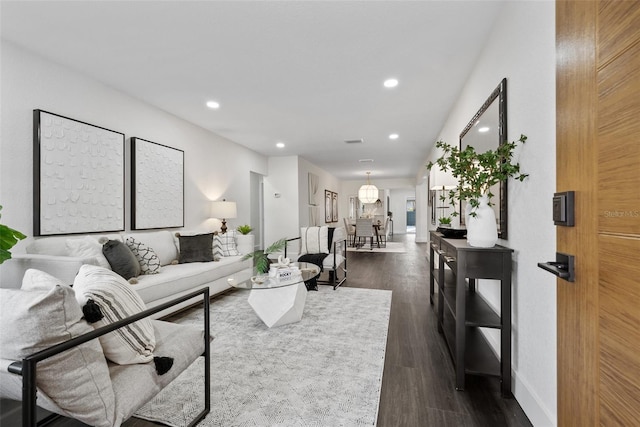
121, 259
44, 313
196, 248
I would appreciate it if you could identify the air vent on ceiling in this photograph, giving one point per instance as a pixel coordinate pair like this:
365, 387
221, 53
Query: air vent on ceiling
366, 160
354, 141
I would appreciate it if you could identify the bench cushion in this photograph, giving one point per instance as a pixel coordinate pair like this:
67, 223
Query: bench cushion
135, 385
182, 277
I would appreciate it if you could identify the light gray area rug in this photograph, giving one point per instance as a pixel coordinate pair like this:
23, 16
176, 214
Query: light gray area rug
396, 247
325, 370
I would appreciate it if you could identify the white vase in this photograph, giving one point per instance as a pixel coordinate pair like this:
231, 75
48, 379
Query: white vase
245, 243
482, 230
467, 211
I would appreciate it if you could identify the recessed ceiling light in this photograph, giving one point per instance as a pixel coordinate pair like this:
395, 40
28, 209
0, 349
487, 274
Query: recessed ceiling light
213, 105
483, 129
391, 83
280, 145
393, 136
366, 160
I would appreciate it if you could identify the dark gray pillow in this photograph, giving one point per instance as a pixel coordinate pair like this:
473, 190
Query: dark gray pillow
198, 248
121, 259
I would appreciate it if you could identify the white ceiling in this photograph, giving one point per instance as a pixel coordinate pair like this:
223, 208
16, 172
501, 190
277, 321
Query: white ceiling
307, 73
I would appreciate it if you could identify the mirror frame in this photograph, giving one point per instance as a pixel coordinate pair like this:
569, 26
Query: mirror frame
499, 94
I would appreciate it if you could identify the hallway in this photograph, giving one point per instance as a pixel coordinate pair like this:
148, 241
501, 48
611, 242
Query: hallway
418, 381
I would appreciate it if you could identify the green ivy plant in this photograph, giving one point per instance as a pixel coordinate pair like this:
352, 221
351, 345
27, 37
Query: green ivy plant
261, 258
478, 172
244, 229
8, 239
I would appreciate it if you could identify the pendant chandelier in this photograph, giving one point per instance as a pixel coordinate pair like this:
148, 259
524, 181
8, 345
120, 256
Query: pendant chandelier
368, 193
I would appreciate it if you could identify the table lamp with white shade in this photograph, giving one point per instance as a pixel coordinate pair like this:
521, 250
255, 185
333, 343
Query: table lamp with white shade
223, 210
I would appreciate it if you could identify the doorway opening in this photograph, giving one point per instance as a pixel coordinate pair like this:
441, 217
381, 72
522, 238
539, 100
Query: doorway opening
411, 215
256, 194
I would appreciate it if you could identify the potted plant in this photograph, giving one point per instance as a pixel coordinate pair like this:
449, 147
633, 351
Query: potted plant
244, 229
8, 239
445, 221
261, 257
244, 240
476, 174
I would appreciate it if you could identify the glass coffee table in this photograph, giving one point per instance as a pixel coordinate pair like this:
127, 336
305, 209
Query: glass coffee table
278, 302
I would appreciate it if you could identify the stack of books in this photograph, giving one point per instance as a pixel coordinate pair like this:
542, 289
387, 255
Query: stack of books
286, 274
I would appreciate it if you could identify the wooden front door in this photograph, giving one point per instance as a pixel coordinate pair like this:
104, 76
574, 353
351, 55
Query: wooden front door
598, 156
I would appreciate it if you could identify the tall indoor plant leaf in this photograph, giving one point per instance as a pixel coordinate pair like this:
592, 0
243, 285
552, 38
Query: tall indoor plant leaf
8, 239
261, 257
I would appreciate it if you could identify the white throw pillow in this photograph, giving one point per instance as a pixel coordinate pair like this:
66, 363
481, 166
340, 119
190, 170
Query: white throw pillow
162, 244
146, 256
45, 313
131, 344
87, 247
314, 240
225, 244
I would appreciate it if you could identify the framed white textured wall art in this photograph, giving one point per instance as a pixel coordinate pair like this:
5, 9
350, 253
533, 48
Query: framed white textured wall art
157, 185
334, 207
78, 176
313, 189
328, 207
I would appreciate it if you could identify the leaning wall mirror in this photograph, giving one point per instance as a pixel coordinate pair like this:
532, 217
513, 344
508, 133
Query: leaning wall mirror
486, 130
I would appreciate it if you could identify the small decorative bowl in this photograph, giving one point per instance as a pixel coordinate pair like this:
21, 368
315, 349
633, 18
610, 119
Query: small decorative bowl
258, 280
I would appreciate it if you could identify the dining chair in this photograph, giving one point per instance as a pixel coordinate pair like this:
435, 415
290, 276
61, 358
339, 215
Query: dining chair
384, 233
351, 232
364, 230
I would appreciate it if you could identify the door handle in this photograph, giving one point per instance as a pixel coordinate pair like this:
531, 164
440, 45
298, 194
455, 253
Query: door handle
563, 266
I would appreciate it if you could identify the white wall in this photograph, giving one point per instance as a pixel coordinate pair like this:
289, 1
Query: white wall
423, 218
285, 213
288, 177
214, 167
522, 49
326, 181
398, 205
281, 199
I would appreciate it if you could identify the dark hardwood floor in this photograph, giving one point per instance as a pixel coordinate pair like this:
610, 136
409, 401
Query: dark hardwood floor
418, 381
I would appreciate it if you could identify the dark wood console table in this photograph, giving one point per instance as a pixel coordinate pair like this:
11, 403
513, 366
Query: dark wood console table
462, 312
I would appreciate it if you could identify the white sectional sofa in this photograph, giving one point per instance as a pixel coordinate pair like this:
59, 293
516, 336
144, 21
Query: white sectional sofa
51, 254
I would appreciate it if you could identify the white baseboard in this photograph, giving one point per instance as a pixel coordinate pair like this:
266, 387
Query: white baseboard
527, 398
531, 404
